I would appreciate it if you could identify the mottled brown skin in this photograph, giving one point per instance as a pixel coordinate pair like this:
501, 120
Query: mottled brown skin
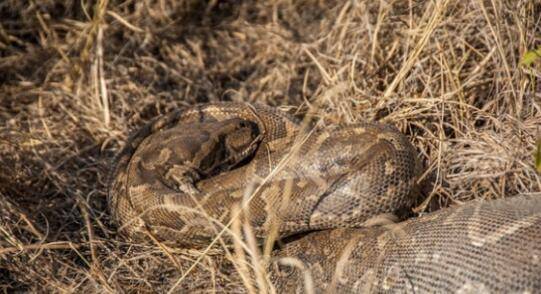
196, 164
478, 247
179, 177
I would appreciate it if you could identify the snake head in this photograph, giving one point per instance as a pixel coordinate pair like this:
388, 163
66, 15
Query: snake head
234, 141
242, 142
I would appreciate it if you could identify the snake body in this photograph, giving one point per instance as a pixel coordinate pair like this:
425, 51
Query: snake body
195, 164
182, 176
479, 247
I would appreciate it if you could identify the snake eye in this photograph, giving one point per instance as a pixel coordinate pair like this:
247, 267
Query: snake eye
243, 124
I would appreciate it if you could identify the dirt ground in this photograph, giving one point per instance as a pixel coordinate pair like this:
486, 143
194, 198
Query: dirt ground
76, 77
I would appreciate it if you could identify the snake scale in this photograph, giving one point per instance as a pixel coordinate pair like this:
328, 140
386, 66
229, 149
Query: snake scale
183, 175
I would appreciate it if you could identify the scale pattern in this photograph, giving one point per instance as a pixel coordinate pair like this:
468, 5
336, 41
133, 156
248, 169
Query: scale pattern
479, 247
181, 174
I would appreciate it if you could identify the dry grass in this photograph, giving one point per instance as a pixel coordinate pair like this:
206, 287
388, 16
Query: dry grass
75, 80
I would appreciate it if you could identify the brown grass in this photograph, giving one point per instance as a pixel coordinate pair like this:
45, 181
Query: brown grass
75, 80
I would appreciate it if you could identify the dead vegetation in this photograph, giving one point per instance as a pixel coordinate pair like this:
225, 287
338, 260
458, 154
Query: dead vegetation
76, 77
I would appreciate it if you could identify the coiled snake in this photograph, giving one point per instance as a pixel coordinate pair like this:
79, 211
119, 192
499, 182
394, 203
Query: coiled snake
180, 176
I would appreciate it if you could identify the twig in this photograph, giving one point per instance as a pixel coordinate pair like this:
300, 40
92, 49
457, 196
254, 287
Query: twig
41, 246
